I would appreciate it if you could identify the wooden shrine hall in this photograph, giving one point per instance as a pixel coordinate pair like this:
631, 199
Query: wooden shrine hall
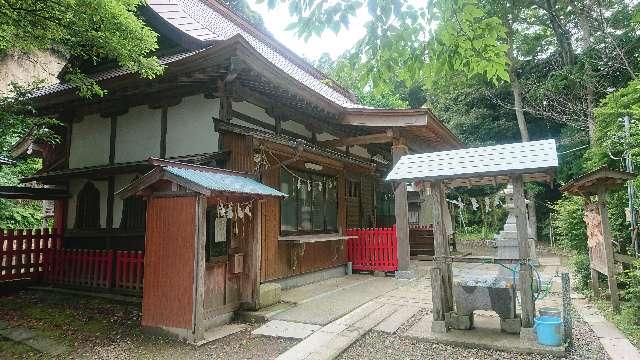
512, 163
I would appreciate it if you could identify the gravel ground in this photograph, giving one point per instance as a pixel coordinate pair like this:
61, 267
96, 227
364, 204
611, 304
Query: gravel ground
378, 345
241, 345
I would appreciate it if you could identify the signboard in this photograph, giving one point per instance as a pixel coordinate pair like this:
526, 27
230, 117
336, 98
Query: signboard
595, 238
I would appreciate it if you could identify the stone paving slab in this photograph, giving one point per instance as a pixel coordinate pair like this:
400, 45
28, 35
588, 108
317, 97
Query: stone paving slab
325, 309
286, 329
18, 334
330, 341
392, 323
620, 349
309, 292
421, 328
481, 337
45, 345
606, 330
220, 332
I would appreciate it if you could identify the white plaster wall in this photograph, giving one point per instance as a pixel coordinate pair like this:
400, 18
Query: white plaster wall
297, 128
253, 111
190, 126
120, 181
325, 137
138, 134
75, 185
90, 142
360, 151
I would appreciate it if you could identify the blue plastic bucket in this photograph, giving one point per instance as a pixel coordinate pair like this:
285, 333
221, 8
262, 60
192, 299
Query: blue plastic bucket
548, 330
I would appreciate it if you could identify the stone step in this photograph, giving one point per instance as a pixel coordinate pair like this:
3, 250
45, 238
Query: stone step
392, 323
331, 340
263, 315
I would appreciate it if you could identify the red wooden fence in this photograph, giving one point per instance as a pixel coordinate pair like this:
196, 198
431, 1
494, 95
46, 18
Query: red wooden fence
373, 249
129, 269
80, 267
22, 252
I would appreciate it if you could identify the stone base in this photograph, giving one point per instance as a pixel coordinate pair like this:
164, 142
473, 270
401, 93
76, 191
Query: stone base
379, 274
269, 294
528, 335
459, 322
405, 275
511, 326
439, 327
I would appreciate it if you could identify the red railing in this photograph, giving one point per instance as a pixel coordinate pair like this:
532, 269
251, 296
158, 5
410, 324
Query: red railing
129, 269
95, 268
92, 268
22, 252
373, 249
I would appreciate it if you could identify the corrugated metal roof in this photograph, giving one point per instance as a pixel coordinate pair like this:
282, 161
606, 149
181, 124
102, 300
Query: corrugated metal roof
6, 161
224, 182
527, 157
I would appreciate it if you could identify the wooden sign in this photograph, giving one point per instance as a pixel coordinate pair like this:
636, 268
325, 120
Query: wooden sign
595, 238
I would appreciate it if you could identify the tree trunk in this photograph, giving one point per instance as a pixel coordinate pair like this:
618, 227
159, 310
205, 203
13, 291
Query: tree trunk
517, 103
585, 26
515, 85
563, 36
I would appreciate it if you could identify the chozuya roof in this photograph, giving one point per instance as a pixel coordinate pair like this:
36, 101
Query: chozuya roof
206, 22
490, 164
201, 179
602, 178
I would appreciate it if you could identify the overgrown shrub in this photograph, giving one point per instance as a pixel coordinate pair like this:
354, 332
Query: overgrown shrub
580, 266
570, 232
630, 281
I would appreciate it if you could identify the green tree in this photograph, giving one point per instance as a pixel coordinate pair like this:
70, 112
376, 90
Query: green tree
82, 30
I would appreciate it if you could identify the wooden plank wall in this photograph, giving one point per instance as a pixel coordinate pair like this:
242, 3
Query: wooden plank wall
222, 289
168, 263
276, 255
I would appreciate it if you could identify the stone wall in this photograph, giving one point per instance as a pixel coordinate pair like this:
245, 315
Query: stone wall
25, 68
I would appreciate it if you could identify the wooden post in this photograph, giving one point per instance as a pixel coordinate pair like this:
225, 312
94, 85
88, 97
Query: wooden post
595, 283
199, 265
525, 281
250, 287
608, 248
402, 212
441, 287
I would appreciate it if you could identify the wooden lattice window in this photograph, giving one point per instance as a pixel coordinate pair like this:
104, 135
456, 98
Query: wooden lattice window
312, 204
88, 207
134, 212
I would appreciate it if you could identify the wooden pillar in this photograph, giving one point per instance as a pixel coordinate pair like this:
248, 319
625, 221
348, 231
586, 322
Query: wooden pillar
199, 268
608, 248
441, 288
525, 273
250, 286
402, 212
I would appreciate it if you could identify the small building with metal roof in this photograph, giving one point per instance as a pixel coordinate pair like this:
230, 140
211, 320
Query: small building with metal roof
200, 225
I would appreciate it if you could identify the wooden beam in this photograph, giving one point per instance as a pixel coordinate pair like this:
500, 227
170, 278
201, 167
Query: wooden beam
608, 248
526, 280
250, 286
379, 138
163, 132
112, 139
199, 268
402, 214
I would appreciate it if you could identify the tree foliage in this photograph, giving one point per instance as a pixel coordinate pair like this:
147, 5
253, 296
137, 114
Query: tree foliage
82, 30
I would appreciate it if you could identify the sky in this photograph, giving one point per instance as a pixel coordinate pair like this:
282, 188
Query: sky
276, 21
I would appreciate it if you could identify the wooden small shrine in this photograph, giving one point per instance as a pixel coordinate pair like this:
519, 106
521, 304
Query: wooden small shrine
601, 258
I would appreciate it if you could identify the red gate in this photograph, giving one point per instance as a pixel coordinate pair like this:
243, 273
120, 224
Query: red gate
373, 249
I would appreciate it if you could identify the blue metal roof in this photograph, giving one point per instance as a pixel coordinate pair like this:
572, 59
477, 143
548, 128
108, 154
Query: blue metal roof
224, 182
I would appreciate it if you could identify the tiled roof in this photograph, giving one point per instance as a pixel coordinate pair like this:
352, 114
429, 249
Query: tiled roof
206, 21
45, 90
